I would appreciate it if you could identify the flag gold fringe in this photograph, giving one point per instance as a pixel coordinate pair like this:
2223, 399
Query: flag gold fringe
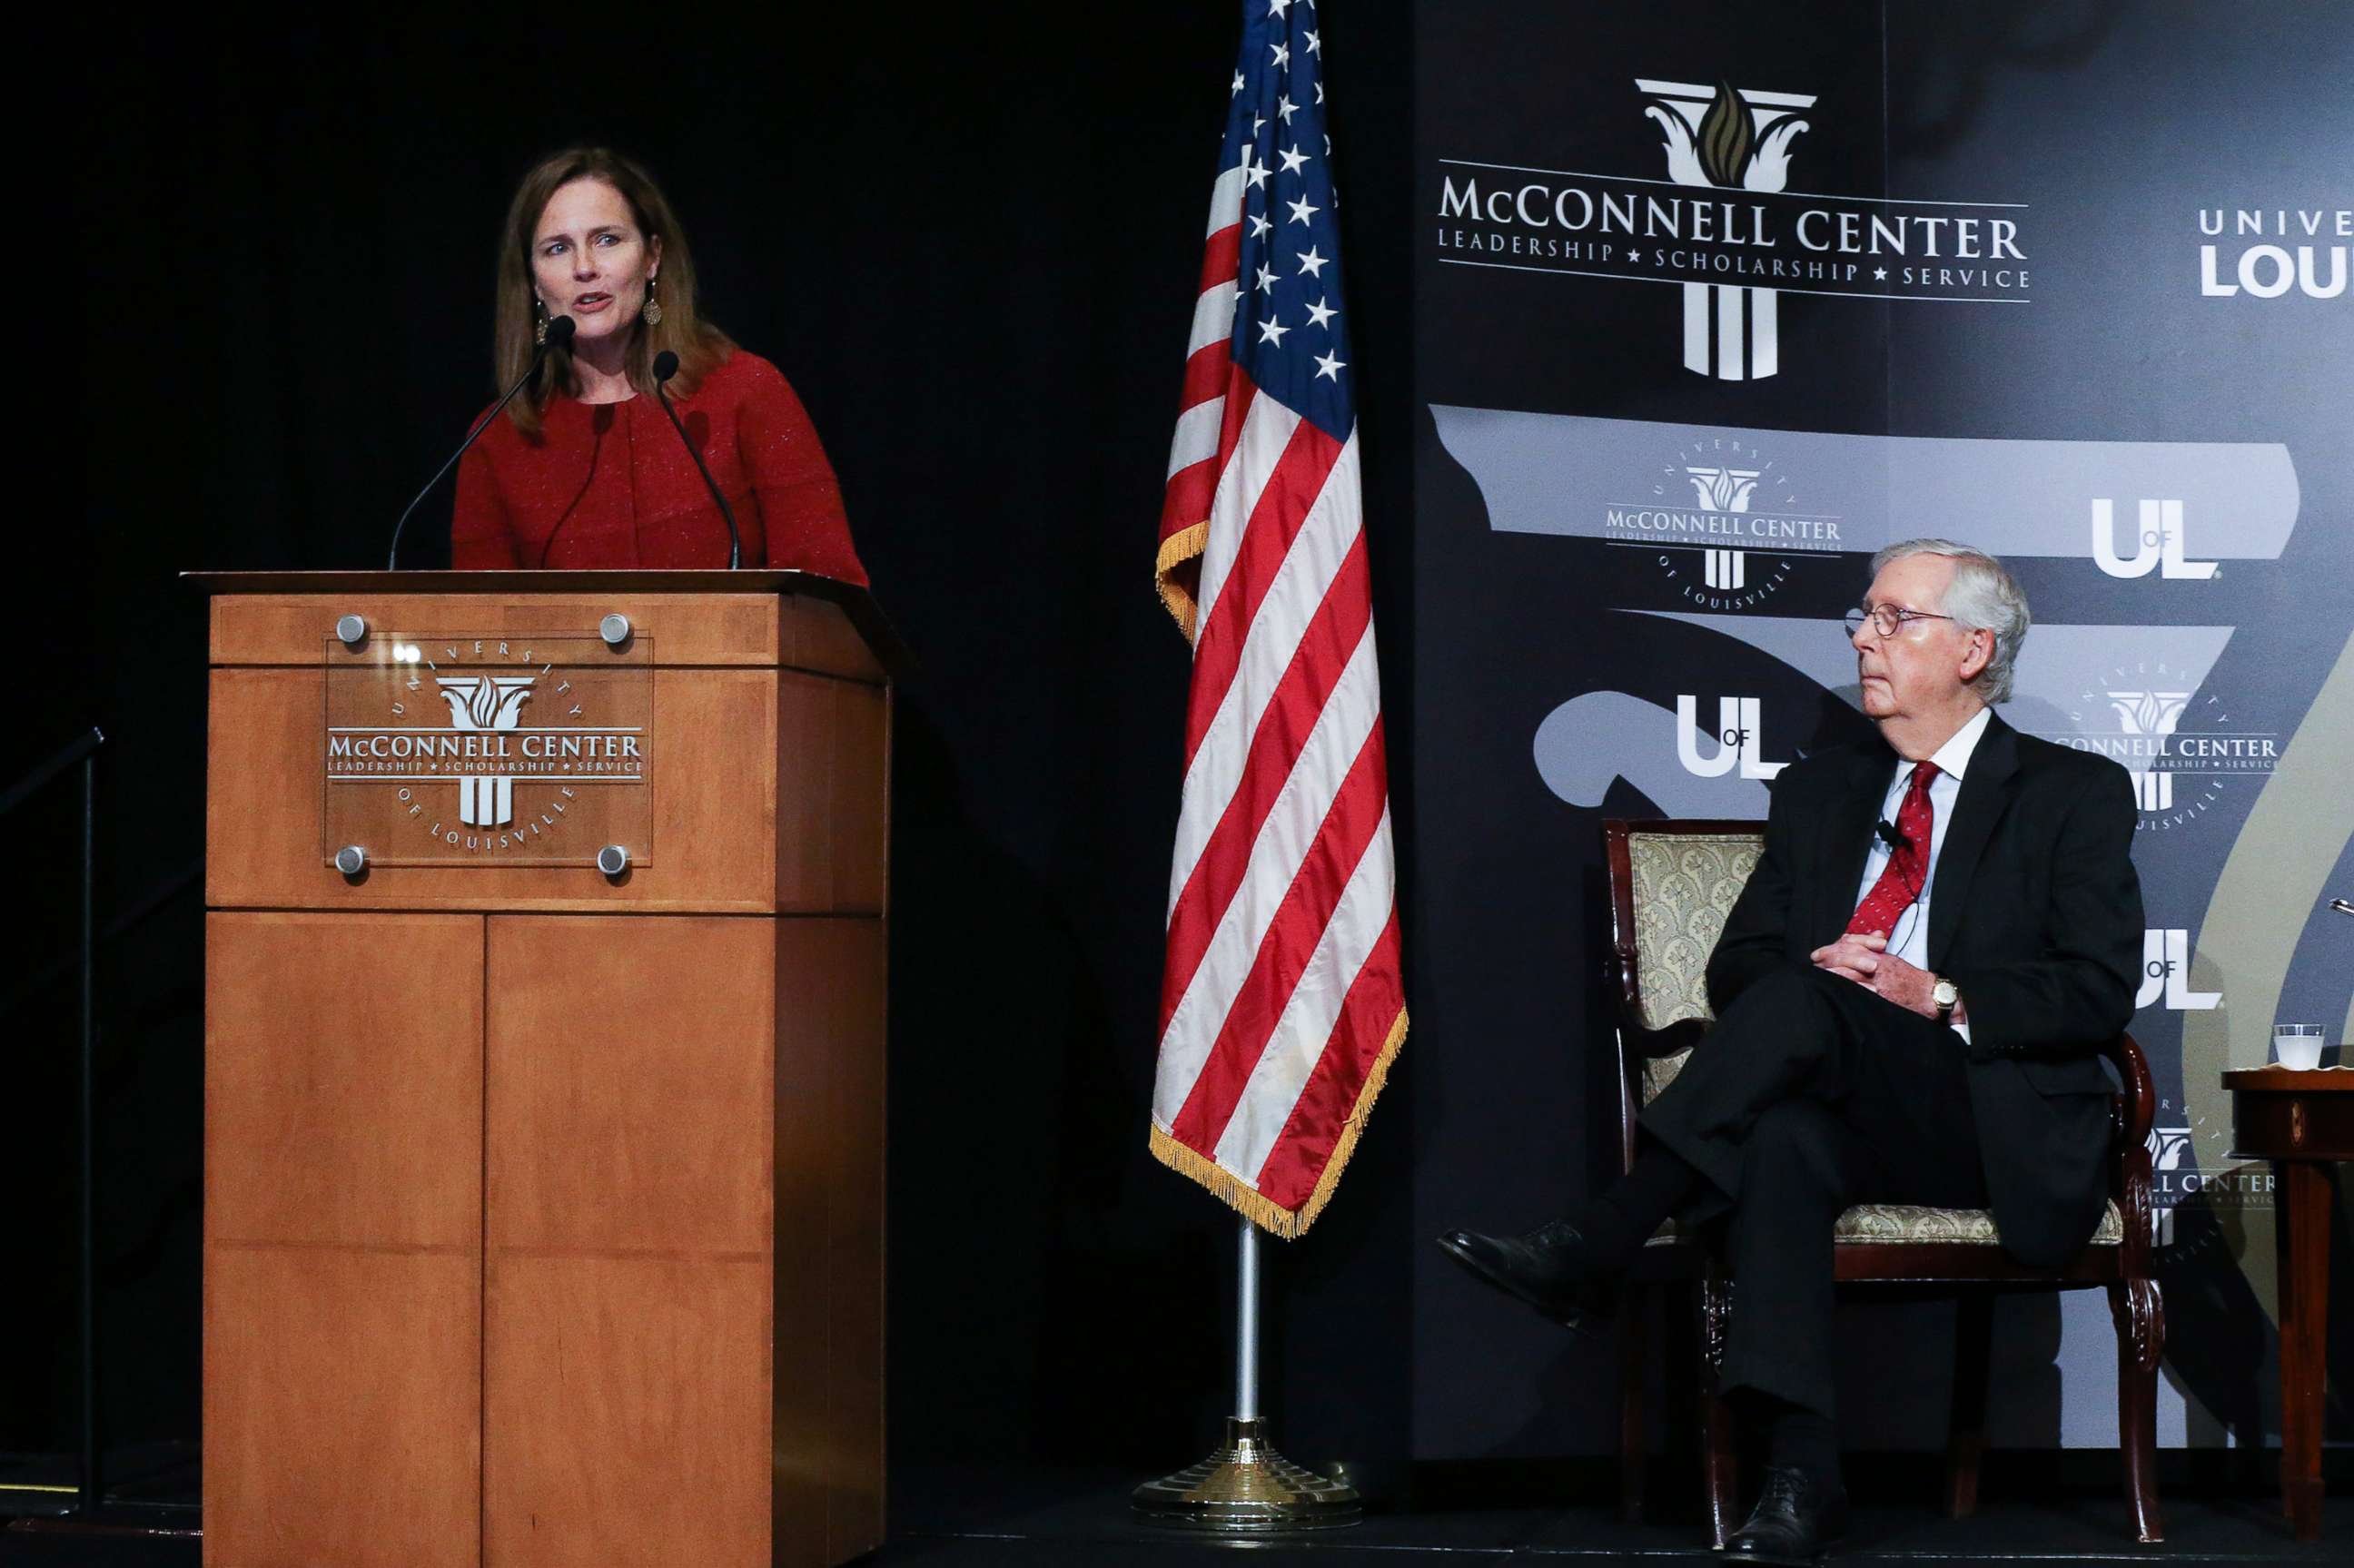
1245, 1200
1175, 551
1225, 1186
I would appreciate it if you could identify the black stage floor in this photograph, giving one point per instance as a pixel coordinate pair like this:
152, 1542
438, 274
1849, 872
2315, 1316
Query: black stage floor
1079, 1519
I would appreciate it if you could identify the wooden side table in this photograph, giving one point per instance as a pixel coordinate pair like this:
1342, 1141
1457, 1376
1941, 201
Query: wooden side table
2301, 1122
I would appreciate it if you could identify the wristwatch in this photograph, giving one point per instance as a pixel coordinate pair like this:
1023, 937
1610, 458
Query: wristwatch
1947, 996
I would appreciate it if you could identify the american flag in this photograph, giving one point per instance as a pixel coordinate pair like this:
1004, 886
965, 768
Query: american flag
1282, 1000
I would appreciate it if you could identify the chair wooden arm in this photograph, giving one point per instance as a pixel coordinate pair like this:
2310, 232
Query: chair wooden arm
2134, 1108
2131, 1112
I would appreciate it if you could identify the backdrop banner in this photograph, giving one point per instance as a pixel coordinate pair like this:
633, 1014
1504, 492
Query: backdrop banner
1712, 303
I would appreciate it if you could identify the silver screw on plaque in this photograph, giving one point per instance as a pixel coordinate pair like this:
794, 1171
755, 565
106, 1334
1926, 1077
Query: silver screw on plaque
614, 628
351, 630
351, 860
612, 860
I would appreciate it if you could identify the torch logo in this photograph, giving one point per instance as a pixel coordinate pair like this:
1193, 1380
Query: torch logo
478, 704
2171, 1160
1724, 490
2153, 713
1731, 139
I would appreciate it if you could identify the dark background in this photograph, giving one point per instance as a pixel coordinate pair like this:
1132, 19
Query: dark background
971, 245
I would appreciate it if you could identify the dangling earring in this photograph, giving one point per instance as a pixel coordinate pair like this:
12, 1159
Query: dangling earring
654, 306
538, 320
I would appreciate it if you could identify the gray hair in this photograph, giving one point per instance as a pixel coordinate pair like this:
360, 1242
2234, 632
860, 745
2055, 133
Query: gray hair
1983, 597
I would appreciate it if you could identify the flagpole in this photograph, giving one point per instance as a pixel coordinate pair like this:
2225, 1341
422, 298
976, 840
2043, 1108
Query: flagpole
1246, 1488
1247, 1323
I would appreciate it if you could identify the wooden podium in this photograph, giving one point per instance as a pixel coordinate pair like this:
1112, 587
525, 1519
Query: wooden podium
544, 1200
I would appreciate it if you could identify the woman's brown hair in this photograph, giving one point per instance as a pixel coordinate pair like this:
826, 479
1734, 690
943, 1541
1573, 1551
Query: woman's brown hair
700, 346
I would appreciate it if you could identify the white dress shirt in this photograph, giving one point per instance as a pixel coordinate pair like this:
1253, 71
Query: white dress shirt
1910, 940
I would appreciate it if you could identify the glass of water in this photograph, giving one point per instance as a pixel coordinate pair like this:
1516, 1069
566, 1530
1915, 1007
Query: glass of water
2298, 1045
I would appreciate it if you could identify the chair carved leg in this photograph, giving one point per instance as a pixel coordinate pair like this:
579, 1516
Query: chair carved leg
1718, 1461
1634, 1339
1965, 1424
2140, 1317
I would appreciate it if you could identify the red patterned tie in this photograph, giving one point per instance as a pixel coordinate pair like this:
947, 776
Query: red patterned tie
1902, 880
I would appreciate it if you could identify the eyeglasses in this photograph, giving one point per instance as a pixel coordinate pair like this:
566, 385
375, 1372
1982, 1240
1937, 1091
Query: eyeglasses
1887, 619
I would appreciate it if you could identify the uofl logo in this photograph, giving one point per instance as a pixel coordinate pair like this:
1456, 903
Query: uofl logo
2158, 544
1736, 739
2166, 972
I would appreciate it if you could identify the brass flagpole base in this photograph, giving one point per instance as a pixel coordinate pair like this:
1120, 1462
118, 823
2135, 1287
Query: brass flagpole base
1247, 1489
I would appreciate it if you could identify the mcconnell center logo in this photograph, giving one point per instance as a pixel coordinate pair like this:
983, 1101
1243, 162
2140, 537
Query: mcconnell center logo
485, 746
1721, 522
2177, 740
1725, 226
1738, 140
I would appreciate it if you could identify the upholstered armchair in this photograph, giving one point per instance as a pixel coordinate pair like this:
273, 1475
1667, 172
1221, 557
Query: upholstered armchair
1671, 884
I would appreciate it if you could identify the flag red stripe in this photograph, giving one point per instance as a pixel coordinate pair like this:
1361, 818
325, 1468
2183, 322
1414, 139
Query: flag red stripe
1283, 506
1318, 1117
1221, 257
1187, 500
1193, 488
1290, 941
1324, 651
1206, 373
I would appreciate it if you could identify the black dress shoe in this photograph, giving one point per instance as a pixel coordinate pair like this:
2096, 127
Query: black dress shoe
1796, 1517
1549, 1268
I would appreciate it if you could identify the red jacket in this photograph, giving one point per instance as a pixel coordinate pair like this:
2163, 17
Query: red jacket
611, 485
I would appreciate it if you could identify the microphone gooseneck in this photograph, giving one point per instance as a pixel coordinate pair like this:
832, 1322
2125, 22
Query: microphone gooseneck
559, 335
666, 367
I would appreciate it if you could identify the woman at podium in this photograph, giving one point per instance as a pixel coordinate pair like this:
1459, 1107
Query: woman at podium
585, 470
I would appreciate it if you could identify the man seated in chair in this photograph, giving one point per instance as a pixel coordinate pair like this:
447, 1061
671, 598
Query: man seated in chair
1942, 932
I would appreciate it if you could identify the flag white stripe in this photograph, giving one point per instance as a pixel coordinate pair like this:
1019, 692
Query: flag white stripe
1196, 440
1276, 857
1226, 197
1304, 1029
1259, 448
1214, 318
1292, 600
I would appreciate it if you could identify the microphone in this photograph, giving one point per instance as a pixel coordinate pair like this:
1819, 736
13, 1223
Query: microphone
1894, 837
559, 335
666, 367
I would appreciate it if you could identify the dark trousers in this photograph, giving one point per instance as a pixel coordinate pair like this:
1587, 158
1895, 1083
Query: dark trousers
1809, 1095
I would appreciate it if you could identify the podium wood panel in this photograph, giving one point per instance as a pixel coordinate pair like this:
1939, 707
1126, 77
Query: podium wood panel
833, 757
628, 1083
829, 1492
342, 1225
752, 629
343, 1079
342, 1408
627, 1317
625, 1411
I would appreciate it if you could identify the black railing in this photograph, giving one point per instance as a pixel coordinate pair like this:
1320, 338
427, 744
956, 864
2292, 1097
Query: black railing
82, 749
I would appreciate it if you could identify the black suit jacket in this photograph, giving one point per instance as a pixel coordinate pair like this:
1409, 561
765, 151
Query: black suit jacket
2034, 912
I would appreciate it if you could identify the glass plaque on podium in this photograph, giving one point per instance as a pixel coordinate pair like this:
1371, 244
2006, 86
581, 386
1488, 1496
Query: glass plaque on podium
446, 750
